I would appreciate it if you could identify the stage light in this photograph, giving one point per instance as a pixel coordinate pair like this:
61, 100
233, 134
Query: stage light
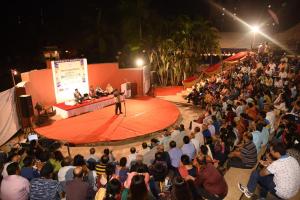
14, 72
238, 19
139, 62
255, 29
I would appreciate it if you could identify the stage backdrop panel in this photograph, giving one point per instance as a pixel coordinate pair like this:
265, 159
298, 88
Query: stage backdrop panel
9, 123
40, 84
67, 76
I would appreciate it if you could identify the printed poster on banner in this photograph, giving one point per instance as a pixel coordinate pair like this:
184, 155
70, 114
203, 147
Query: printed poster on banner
67, 76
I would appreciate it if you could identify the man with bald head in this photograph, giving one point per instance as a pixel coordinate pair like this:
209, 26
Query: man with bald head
77, 189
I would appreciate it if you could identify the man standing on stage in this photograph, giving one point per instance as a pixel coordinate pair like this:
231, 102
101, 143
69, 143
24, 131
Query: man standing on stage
118, 105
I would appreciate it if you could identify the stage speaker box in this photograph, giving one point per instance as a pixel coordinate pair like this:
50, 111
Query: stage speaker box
133, 89
153, 78
26, 106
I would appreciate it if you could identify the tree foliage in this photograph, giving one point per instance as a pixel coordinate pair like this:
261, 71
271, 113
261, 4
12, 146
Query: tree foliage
178, 55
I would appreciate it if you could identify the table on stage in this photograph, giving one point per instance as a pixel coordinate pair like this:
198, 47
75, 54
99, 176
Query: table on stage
66, 111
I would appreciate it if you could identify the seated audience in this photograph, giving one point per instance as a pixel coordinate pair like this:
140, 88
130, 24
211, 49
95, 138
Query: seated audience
14, 157
162, 156
110, 154
92, 157
145, 148
122, 170
280, 175
245, 156
65, 173
136, 187
138, 165
45, 188
14, 186
77, 188
187, 168
209, 182
195, 142
132, 157
112, 191
175, 155
188, 148
101, 167
181, 190
28, 171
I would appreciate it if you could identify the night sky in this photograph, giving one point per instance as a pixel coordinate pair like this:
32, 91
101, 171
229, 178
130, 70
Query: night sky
29, 26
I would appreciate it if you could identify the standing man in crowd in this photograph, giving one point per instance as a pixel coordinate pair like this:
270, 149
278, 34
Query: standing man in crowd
118, 101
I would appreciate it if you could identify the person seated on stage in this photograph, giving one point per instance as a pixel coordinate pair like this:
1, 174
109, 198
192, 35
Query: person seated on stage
92, 92
100, 92
78, 97
109, 89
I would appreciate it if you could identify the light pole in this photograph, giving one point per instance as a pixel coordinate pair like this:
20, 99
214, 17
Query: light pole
13, 73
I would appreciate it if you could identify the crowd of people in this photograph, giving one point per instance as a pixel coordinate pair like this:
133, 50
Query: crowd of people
249, 110
253, 109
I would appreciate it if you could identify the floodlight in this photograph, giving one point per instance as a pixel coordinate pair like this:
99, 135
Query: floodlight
139, 62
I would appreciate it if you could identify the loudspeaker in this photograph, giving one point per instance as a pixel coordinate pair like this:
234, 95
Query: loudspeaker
153, 78
26, 106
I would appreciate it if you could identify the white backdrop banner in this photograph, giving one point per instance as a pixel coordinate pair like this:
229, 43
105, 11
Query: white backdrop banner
69, 75
9, 123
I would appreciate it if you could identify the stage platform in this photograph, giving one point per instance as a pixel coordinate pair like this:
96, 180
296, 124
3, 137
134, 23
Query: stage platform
144, 116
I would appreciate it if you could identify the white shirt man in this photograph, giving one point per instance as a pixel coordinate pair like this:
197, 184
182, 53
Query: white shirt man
283, 74
278, 83
272, 66
199, 136
286, 172
196, 144
131, 157
271, 117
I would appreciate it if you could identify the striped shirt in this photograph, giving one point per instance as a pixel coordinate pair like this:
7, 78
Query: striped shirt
249, 154
100, 169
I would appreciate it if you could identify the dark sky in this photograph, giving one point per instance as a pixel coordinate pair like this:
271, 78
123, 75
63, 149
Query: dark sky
29, 26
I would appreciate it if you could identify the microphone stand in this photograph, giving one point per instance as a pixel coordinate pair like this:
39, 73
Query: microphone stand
124, 104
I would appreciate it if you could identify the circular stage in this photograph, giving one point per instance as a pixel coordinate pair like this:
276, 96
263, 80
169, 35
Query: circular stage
144, 115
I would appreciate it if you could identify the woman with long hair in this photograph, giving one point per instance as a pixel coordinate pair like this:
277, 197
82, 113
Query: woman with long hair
113, 190
138, 189
181, 190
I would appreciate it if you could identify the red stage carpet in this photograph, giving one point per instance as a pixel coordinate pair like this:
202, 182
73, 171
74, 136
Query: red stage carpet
168, 91
144, 115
